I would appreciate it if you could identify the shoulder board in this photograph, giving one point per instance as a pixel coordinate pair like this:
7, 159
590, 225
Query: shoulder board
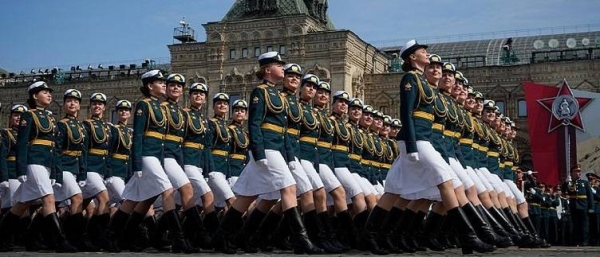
263, 86
186, 109
164, 103
214, 120
332, 117
348, 125
232, 126
64, 119
147, 100
413, 72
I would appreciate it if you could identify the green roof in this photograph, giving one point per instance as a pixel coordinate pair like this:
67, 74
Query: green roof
256, 9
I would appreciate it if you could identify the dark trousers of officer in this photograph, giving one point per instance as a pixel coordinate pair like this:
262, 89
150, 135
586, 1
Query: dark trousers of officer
566, 230
543, 232
553, 230
593, 217
537, 222
581, 227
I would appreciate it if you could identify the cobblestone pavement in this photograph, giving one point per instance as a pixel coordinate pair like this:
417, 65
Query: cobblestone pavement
513, 251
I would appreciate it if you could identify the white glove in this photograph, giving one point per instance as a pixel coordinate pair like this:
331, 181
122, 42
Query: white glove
263, 162
591, 211
593, 191
22, 179
529, 172
413, 157
4, 185
57, 185
81, 183
52, 182
138, 174
531, 190
108, 181
292, 165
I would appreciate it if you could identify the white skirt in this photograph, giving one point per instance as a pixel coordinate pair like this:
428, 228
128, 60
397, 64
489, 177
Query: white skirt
94, 184
198, 181
175, 173
479, 185
36, 186
256, 179
351, 186
461, 173
330, 181
8, 193
497, 184
313, 175
115, 191
153, 181
303, 184
406, 177
483, 178
220, 188
365, 185
519, 196
68, 188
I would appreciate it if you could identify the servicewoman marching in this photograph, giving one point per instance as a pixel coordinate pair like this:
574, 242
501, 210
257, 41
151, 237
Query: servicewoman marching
71, 146
195, 157
35, 169
417, 154
267, 170
173, 153
149, 179
120, 149
238, 155
219, 140
8, 167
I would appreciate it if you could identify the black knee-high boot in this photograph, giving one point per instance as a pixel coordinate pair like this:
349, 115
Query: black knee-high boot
223, 240
9, 221
500, 231
298, 233
61, 245
400, 233
109, 240
384, 235
33, 234
506, 224
345, 230
250, 228
262, 237
211, 222
467, 236
535, 241
359, 222
178, 242
433, 222
194, 229
75, 231
483, 229
316, 233
372, 226
134, 237
413, 231
329, 232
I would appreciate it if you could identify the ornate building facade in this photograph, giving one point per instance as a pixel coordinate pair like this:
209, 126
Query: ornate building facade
303, 33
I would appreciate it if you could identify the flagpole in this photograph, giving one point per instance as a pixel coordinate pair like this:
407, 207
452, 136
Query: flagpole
567, 152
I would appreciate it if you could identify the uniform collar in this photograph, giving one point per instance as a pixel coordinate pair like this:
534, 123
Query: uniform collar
236, 123
171, 101
121, 123
268, 83
71, 117
95, 118
153, 98
219, 117
288, 91
40, 108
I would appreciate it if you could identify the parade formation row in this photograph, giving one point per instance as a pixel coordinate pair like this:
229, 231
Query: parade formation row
287, 171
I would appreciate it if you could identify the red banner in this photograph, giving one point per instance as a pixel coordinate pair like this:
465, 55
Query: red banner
544, 146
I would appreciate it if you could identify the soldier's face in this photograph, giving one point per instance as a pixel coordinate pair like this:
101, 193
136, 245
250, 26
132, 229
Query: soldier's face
462, 96
322, 97
124, 114
507, 130
420, 57
291, 81
174, 91
366, 119
157, 88
355, 113
275, 70
239, 114
575, 174
470, 102
221, 107
385, 130
433, 73
513, 133
394, 131
43, 98
377, 123
198, 98
15, 118
478, 105
489, 116
448, 81
97, 108
457, 88
340, 106
308, 91
72, 105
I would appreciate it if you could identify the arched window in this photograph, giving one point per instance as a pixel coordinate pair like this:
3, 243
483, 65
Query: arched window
522, 108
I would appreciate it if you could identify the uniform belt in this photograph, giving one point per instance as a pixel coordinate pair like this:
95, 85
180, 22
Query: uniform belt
438, 127
423, 115
493, 154
466, 141
97, 151
577, 196
342, 148
365, 162
535, 204
355, 157
457, 134
237, 156
501, 165
552, 208
155, 134
173, 138
476, 146
219, 152
448, 133
41, 142
119, 156
193, 145
376, 164
71, 153
386, 166
11, 158
272, 127
324, 144
293, 131
509, 163
311, 140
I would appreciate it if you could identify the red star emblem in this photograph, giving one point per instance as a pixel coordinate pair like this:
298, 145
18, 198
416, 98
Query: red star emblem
570, 114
